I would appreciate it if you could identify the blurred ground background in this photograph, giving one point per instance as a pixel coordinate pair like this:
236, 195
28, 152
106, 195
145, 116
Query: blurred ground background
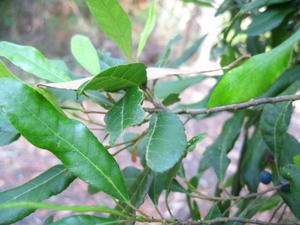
49, 25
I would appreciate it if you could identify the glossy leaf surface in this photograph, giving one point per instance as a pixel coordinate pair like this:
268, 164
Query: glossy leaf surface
255, 76
292, 198
8, 133
166, 141
149, 26
260, 3
125, 113
85, 53
71, 141
32, 61
118, 77
297, 161
85, 220
267, 20
114, 21
49, 183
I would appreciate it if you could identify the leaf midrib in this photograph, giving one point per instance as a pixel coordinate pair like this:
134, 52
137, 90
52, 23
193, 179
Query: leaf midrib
37, 186
74, 149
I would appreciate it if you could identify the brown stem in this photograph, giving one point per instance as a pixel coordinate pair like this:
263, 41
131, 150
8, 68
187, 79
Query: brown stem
237, 106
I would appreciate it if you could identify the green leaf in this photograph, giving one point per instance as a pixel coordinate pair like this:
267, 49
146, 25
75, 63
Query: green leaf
5, 72
151, 20
188, 53
195, 140
267, 20
32, 61
166, 141
40, 205
292, 198
216, 154
164, 181
8, 133
260, 3
114, 21
86, 220
165, 88
163, 59
297, 160
49, 220
252, 161
255, 76
171, 99
49, 183
107, 61
116, 78
284, 81
138, 189
199, 2
274, 122
85, 53
125, 113
71, 141
130, 175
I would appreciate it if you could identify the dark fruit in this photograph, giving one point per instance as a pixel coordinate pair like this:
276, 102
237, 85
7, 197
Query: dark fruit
265, 177
286, 186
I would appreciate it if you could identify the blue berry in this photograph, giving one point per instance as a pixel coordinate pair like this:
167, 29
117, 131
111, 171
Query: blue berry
286, 187
265, 177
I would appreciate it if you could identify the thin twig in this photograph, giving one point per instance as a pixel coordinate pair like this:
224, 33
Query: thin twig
282, 214
238, 106
252, 195
236, 219
275, 211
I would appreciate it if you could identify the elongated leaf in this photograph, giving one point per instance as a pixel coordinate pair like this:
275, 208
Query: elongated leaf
125, 113
49, 183
163, 59
255, 76
216, 154
292, 198
260, 3
284, 81
165, 88
107, 61
32, 61
151, 20
274, 123
188, 53
267, 20
114, 21
85, 220
152, 74
42, 125
5, 72
195, 140
252, 161
297, 161
116, 78
8, 133
166, 141
85, 53
163, 181
199, 2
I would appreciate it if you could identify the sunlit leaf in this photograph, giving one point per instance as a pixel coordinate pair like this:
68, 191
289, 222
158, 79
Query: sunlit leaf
32, 61
42, 125
85, 53
114, 21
